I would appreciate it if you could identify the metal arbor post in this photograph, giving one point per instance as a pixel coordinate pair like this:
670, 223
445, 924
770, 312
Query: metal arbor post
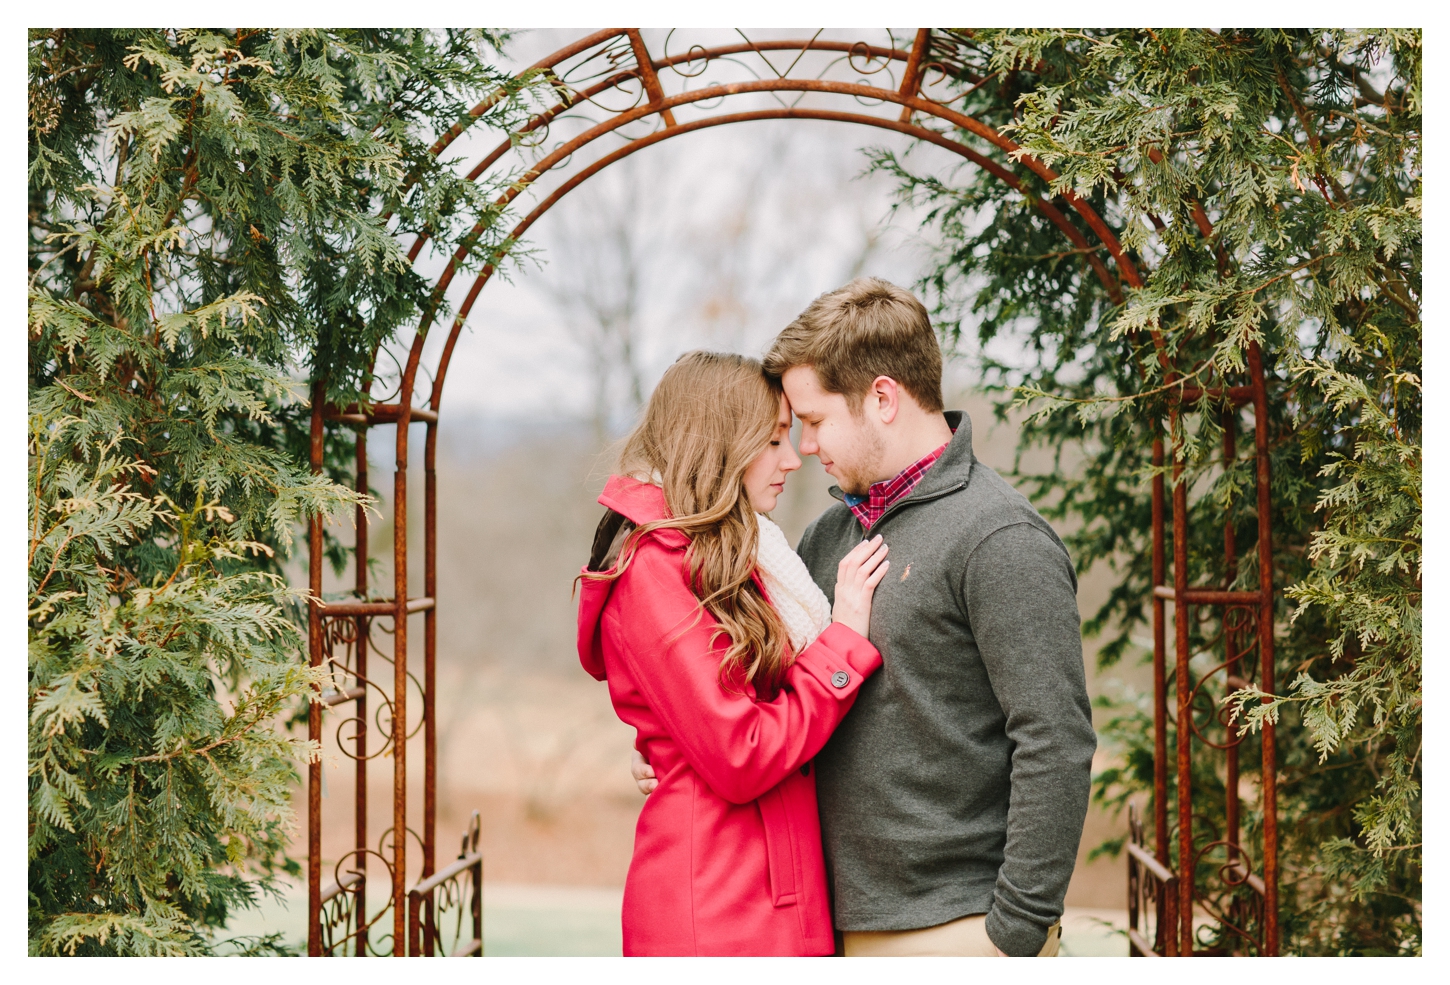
1241, 902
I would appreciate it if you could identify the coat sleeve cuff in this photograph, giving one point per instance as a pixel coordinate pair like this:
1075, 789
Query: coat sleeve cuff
840, 650
1017, 936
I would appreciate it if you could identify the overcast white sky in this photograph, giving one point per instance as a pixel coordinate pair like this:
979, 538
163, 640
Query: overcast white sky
736, 229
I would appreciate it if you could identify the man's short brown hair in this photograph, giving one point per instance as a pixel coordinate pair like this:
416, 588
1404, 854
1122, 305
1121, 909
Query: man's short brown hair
852, 335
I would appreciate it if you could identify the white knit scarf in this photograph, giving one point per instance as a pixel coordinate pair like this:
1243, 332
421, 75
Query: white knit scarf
801, 604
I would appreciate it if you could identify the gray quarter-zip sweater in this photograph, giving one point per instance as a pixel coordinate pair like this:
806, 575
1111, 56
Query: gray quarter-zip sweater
958, 784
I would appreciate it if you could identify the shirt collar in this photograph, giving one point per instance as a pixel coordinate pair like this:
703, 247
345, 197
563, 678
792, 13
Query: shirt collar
881, 496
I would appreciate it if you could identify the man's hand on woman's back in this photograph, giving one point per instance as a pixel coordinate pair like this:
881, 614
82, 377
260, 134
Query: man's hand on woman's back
643, 773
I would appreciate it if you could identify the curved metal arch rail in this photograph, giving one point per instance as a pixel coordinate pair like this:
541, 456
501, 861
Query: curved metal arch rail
338, 921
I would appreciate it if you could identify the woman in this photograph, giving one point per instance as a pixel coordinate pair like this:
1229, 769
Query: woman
717, 649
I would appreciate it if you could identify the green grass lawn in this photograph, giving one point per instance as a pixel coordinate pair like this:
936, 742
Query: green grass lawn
568, 921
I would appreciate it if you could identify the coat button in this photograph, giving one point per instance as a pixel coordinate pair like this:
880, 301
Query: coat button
840, 678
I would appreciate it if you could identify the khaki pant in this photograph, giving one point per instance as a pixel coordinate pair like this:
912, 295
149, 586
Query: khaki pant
966, 937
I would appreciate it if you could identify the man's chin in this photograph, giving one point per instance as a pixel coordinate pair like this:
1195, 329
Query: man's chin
847, 484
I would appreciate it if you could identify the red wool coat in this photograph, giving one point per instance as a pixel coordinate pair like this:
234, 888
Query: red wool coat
727, 851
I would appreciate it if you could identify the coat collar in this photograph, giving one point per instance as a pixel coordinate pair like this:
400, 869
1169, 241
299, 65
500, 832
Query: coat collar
639, 502
954, 468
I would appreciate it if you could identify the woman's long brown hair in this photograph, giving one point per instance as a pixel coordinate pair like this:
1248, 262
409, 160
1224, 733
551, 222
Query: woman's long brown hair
710, 416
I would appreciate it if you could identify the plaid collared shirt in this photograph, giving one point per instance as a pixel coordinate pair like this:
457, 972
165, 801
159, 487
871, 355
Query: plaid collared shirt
884, 494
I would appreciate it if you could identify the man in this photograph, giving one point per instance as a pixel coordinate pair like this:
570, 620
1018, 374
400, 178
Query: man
953, 795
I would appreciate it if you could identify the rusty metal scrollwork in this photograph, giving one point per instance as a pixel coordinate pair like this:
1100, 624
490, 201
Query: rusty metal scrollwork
341, 913
1152, 897
445, 911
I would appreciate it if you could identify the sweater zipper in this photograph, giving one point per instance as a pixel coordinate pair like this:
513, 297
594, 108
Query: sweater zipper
909, 501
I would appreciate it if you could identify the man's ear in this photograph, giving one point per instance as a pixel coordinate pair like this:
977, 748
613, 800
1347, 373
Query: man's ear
884, 392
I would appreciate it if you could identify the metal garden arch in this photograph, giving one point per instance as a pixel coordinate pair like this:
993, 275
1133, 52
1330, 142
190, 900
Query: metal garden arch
893, 86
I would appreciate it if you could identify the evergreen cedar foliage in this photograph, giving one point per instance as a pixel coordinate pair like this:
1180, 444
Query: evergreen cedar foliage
1303, 150
212, 223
